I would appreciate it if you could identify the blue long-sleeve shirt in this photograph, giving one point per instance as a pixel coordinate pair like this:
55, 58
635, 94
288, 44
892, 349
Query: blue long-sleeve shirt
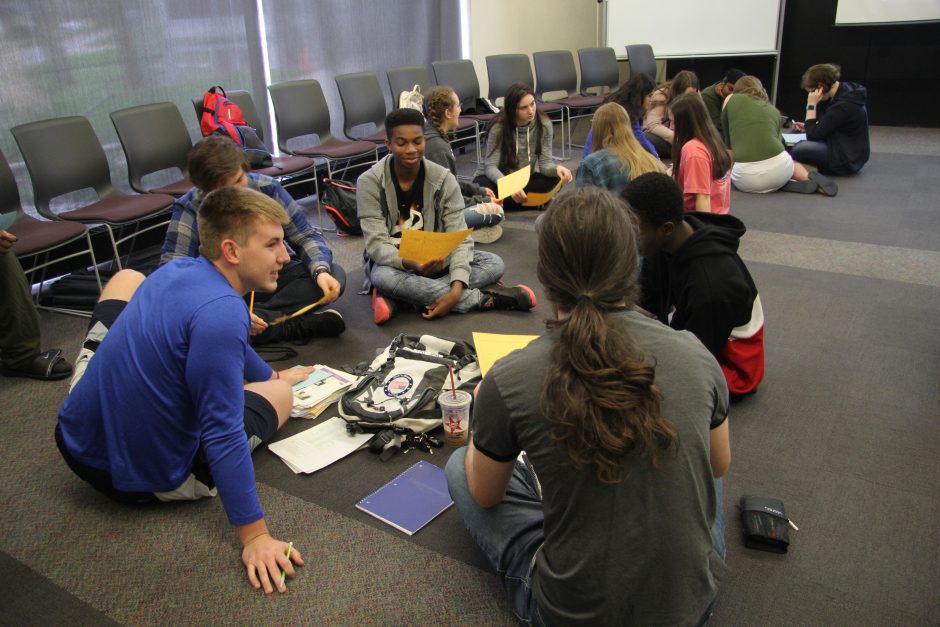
167, 380
304, 241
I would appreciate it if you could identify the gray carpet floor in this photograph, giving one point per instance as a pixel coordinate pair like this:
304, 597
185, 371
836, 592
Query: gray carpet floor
844, 430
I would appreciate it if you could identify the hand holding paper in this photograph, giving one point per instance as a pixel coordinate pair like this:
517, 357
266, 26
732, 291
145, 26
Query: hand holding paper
424, 246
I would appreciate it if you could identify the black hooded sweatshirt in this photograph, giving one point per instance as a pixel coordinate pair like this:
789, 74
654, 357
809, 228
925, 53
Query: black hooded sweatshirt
705, 281
842, 124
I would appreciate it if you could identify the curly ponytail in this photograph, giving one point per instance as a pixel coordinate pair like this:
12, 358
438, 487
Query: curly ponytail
600, 393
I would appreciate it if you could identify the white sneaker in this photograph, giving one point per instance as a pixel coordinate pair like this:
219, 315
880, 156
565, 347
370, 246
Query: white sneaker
487, 234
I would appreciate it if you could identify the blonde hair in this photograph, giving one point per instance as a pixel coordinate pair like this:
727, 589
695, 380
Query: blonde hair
232, 213
751, 86
613, 131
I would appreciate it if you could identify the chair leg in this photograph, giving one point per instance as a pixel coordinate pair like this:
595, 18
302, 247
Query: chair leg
117, 256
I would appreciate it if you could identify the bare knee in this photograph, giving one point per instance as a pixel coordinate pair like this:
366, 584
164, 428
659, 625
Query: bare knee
122, 285
279, 393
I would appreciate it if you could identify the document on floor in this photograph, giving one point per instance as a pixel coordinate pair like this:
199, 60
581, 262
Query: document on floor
319, 390
793, 138
318, 447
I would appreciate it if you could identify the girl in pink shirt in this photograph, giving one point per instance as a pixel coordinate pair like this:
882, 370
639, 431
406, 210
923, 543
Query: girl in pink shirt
701, 163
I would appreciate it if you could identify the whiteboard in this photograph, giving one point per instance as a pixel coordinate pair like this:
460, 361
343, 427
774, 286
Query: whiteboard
886, 11
694, 28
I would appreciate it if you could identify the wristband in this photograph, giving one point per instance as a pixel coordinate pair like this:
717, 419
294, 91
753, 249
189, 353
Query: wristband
319, 271
810, 107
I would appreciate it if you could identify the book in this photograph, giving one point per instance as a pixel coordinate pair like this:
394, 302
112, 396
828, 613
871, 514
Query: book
319, 390
411, 500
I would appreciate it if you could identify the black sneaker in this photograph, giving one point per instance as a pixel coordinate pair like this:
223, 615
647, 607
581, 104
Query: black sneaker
325, 323
518, 298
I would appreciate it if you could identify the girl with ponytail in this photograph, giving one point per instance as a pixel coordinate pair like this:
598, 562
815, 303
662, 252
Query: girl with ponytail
623, 421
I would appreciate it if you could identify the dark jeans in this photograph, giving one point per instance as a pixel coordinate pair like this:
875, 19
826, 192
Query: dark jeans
19, 321
811, 153
662, 147
538, 183
295, 289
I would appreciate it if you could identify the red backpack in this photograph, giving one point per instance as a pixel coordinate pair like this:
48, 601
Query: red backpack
221, 114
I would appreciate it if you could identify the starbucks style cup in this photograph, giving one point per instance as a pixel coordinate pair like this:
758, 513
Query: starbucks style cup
455, 410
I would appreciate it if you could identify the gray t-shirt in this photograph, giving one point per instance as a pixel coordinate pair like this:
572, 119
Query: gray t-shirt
638, 552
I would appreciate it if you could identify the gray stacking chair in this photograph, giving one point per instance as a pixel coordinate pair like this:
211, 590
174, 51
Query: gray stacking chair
300, 110
289, 170
38, 241
154, 138
642, 60
363, 103
504, 70
63, 155
404, 78
555, 71
598, 69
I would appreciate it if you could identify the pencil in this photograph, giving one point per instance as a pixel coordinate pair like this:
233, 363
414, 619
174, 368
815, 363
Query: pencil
251, 303
290, 547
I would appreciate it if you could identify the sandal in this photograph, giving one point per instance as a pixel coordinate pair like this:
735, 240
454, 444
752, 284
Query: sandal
48, 366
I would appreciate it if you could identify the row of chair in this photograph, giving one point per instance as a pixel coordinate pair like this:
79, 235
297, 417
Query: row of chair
63, 155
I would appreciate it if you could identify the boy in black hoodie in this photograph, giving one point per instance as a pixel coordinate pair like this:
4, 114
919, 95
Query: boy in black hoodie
694, 280
836, 123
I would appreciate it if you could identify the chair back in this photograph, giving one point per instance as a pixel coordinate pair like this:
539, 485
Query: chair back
62, 155
246, 103
404, 78
154, 138
9, 192
598, 68
554, 71
642, 60
363, 102
505, 69
300, 109
459, 75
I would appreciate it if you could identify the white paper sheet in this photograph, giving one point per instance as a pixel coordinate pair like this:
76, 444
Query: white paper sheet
318, 447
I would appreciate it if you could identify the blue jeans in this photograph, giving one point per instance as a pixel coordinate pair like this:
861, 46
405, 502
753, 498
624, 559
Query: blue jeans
511, 533
811, 153
477, 220
421, 291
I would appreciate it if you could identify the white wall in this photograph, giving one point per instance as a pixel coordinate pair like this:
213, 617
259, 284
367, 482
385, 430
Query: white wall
524, 26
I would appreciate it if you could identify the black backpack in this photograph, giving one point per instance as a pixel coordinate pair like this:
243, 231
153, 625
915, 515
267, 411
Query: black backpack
339, 200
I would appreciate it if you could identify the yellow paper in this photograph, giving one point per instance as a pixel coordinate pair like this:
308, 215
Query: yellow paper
537, 199
299, 312
512, 183
491, 347
423, 246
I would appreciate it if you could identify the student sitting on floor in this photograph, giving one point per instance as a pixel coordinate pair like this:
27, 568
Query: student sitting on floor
624, 422
658, 123
700, 162
695, 281
616, 156
636, 96
217, 162
520, 135
752, 131
836, 122
714, 95
159, 409
482, 213
406, 191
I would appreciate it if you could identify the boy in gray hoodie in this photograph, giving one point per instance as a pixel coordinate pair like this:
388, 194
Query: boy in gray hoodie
405, 191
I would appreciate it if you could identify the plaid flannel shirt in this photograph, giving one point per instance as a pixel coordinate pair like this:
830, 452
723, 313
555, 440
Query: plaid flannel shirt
182, 236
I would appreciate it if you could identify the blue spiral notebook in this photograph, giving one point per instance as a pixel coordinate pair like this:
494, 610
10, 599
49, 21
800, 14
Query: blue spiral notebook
411, 500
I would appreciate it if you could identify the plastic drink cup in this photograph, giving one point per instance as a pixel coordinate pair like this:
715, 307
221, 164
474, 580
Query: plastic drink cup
456, 415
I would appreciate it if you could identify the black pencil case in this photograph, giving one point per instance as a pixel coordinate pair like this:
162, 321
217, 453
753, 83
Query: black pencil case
765, 523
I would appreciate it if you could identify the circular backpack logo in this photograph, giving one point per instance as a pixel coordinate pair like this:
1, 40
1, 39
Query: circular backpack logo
398, 385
